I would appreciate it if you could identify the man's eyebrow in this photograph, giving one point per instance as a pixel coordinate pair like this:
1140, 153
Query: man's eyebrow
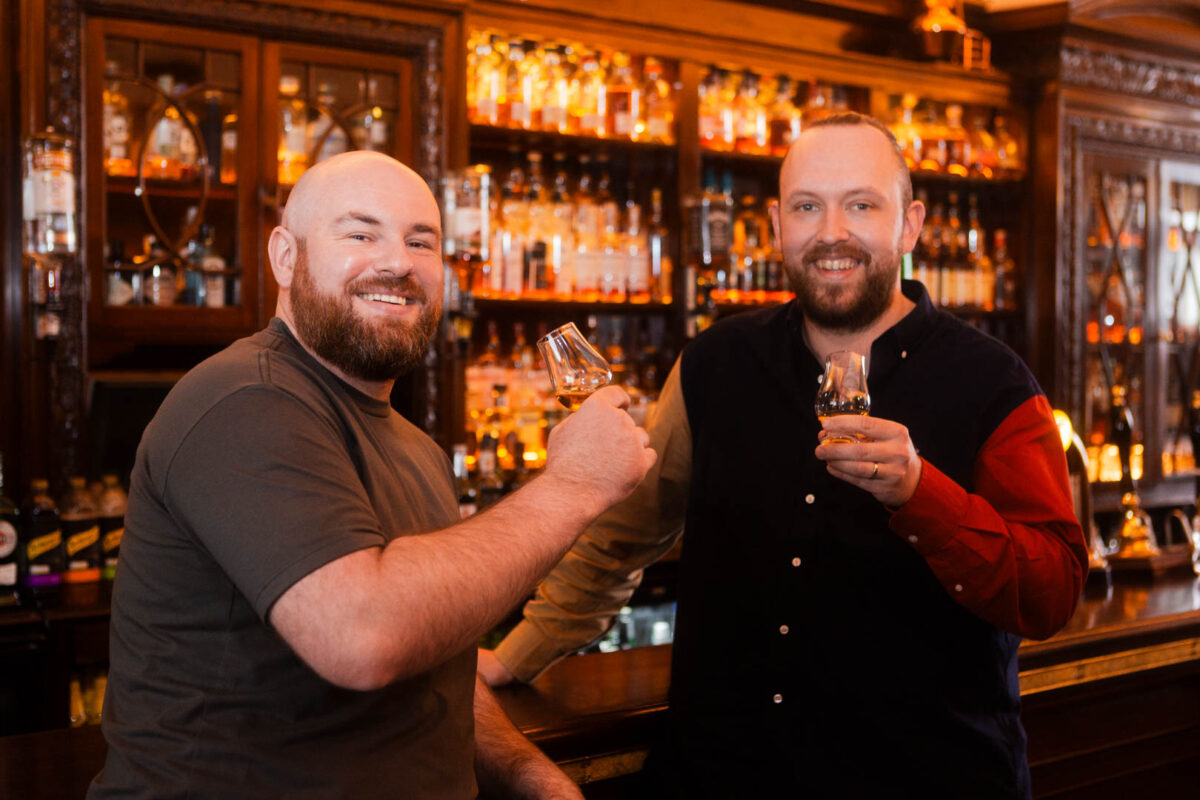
421, 227
357, 216
797, 194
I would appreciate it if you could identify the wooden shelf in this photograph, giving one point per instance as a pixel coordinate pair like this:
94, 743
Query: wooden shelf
575, 306
490, 136
156, 187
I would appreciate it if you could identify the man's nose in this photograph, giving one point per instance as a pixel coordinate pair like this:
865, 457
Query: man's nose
833, 227
397, 262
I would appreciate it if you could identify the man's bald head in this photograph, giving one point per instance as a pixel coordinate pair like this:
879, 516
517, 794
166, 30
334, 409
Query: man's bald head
848, 118
338, 172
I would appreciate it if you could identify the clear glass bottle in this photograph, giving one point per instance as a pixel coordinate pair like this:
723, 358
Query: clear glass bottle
10, 542
624, 98
162, 151
555, 91
118, 157
658, 103
785, 118
661, 260
229, 148
958, 146
709, 109
293, 131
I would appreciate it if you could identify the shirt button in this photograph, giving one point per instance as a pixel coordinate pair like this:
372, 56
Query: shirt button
913, 539
783, 629
904, 354
958, 587
796, 561
810, 498
778, 698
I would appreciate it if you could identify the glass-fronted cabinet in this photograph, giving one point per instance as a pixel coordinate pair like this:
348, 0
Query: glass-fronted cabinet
171, 244
193, 140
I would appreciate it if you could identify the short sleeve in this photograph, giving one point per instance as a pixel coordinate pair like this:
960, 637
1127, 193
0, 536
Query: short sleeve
268, 487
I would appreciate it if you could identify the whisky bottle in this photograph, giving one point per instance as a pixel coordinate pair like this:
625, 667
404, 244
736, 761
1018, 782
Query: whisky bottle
659, 245
117, 129
785, 118
624, 98
908, 133
162, 153
463, 486
709, 103
555, 90
749, 117
489, 485
293, 139
1006, 272
81, 534
958, 147
658, 105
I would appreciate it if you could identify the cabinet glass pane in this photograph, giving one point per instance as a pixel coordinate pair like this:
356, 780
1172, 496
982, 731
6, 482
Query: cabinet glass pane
1115, 272
170, 148
326, 110
1179, 299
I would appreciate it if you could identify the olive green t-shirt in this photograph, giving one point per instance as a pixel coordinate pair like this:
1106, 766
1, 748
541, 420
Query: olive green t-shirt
260, 467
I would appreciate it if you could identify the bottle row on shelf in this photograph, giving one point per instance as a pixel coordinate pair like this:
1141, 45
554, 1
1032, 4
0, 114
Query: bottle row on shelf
180, 124
563, 87
952, 257
155, 277
934, 139
562, 238
75, 540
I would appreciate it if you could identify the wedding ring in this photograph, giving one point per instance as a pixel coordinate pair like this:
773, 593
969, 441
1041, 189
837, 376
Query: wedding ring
875, 472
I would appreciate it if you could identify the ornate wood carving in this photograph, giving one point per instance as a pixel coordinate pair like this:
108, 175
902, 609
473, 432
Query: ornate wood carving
64, 30
1139, 77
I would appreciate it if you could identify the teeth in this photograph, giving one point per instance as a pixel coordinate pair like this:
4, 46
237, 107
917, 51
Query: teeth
837, 265
394, 299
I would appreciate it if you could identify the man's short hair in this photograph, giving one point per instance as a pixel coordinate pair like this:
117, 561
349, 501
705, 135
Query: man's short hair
855, 118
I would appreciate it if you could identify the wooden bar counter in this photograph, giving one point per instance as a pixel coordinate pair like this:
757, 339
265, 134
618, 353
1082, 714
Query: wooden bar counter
1111, 706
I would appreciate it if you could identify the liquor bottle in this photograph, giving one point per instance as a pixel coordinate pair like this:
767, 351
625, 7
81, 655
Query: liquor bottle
1120, 433
709, 109
465, 490
658, 104
293, 132
371, 128
638, 269
984, 155
81, 533
661, 264
749, 240
161, 159
556, 90
958, 147
189, 150
526, 107
111, 513
1010, 163
908, 133
560, 239
486, 371
977, 257
749, 117
785, 118
212, 263
820, 102
924, 269
511, 94
937, 254
10, 542
624, 98
953, 256
588, 229
229, 139
934, 152
1006, 272
325, 135
43, 537
537, 279
117, 128
48, 186
489, 486
726, 95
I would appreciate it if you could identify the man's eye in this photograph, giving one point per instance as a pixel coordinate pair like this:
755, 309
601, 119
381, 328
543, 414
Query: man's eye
805, 206
422, 244
360, 237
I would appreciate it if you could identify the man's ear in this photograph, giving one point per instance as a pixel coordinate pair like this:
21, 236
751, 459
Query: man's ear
910, 230
282, 250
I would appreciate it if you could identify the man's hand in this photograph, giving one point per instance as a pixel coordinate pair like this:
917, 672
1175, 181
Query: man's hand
599, 452
492, 671
885, 463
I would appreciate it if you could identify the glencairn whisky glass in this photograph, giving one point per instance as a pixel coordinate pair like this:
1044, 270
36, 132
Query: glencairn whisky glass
576, 368
843, 390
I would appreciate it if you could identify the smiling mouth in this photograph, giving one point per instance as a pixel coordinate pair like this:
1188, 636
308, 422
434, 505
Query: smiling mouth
391, 299
837, 264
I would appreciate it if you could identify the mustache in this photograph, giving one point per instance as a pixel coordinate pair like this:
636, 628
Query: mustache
819, 252
406, 285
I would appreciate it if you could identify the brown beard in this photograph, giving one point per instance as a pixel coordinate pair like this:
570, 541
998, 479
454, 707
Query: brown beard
368, 350
824, 305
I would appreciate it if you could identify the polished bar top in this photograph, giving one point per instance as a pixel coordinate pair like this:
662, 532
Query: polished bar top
586, 711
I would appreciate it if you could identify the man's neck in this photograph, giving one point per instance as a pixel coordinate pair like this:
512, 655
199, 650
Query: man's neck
379, 390
823, 341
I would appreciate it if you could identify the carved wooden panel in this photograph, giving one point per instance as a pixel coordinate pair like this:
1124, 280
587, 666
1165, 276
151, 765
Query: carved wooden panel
1171, 83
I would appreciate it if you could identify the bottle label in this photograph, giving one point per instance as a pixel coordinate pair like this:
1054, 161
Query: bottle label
8, 538
112, 540
40, 545
623, 124
8, 574
77, 542
657, 127
53, 192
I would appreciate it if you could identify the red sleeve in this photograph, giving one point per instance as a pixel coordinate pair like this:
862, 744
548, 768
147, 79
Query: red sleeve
1012, 553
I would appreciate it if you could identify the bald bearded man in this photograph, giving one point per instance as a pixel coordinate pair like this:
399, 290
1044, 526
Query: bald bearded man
297, 602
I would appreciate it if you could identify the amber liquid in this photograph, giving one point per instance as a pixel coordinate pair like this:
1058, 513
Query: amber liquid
831, 404
572, 400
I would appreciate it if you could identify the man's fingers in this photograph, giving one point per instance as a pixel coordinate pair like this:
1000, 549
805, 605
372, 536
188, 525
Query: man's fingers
611, 395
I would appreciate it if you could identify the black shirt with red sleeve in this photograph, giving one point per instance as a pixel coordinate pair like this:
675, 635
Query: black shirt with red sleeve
828, 646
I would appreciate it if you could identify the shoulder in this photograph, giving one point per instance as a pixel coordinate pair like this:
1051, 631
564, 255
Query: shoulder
739, 333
